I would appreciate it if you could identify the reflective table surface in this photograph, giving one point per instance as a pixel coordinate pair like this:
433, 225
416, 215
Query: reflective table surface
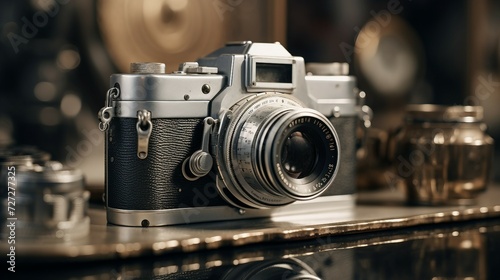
378, 238
461, 250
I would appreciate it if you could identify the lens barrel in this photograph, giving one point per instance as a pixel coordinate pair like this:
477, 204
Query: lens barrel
276, 152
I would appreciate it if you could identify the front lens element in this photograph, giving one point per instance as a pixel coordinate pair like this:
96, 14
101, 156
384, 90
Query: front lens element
298, 155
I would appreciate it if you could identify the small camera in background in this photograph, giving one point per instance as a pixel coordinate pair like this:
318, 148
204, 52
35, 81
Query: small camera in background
42, 200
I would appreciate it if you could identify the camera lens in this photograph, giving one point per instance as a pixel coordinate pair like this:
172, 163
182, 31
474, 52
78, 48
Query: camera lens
275, 152
298, 155
300, 152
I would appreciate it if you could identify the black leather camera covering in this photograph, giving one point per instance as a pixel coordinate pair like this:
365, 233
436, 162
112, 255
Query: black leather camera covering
156, 182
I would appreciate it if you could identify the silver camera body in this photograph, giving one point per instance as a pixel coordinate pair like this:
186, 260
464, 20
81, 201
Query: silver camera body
242, 133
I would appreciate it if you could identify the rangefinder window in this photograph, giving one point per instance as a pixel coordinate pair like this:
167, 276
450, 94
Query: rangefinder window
273, 73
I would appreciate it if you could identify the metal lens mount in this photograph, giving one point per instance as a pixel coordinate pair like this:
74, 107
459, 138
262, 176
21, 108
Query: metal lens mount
275, 151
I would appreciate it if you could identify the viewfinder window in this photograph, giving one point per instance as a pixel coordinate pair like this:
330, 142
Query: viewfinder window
273, 73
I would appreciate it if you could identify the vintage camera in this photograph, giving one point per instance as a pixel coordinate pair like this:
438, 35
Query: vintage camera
242, 133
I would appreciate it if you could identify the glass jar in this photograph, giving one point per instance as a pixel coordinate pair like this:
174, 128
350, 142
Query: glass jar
443, 154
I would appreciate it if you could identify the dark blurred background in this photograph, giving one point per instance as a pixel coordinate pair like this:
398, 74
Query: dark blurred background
56, 56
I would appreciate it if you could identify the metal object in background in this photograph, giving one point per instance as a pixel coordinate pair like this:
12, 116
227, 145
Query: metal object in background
26, 156
22, 155
443, 154
50, 201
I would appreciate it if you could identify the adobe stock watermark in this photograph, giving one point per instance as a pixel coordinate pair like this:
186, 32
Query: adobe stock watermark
223, 6
372, 28
39, 20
